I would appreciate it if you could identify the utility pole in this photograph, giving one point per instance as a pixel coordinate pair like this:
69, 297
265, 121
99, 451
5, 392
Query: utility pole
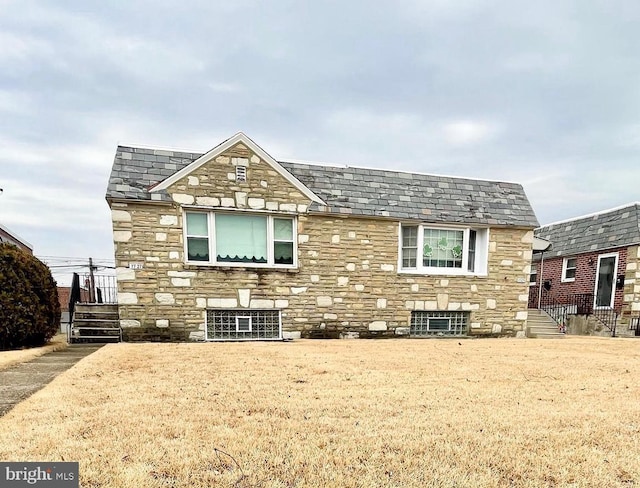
92, 283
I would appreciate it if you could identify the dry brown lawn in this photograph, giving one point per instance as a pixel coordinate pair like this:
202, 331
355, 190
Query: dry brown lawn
11, 358
402, 413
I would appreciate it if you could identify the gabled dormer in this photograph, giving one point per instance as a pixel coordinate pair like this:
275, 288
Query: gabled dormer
237, 174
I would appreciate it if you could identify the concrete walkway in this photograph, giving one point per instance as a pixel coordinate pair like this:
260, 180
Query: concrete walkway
23, 380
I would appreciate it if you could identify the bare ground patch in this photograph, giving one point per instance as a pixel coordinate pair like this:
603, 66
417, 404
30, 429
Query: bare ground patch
406, 413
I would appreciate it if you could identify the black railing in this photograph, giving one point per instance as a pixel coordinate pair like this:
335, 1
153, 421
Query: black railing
92, 288
634, 325
99, 289
533, 296
607, 317
555, 307
558, 307
583, 303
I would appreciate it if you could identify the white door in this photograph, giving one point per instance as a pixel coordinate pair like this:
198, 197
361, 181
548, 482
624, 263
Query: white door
606, 280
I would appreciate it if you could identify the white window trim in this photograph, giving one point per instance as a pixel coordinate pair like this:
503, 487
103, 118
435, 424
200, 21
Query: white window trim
534, 271
238, 317
270, 264
482, 251
597, 280
448, 319
564, 278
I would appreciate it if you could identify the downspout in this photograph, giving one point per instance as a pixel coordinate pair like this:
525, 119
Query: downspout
541, 275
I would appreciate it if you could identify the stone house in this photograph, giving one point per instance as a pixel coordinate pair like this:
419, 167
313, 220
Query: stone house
594, 269
232, 244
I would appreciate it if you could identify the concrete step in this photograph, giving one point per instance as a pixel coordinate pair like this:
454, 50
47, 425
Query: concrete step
96, 314
541, 326
544, 334
94, 335
88, 329
548, 336
96, 322
96, 307
543, 323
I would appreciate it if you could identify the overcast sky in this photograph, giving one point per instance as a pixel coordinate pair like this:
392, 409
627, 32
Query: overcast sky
543, 93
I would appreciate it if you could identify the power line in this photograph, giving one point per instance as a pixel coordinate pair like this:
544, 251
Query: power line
98, 266
73, 258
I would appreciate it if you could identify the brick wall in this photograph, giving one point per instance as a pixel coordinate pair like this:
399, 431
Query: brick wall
585, 280
627, 299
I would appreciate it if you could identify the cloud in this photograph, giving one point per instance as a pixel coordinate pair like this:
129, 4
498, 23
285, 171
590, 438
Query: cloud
542, 93
50, 207
21, 48
467, 132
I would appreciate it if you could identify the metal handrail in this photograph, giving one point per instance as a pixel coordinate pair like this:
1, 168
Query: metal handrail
634, 324
608, 317
584, 304
99, 288
555, 307
558, 307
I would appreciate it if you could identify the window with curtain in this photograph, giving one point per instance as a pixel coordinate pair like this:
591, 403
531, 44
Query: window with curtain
283, 241
435, 250
197, 237
240, 239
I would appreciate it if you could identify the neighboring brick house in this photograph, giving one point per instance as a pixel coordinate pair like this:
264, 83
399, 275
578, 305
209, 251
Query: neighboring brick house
64, 293
232, 244
594, 266
7, 235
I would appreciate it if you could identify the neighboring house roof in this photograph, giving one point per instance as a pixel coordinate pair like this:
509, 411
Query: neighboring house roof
138, 173
617, 227
7, 235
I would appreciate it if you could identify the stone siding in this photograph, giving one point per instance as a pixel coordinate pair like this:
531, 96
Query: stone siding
631, 297
346, 279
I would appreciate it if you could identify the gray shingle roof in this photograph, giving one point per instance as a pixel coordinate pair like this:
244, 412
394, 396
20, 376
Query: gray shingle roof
619, 227
350, 190
376, 192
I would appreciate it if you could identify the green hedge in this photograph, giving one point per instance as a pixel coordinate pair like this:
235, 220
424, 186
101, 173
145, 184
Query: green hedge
29, 306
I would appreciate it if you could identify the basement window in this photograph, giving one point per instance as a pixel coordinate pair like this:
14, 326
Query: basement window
243, 324
429, 324
239, 325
